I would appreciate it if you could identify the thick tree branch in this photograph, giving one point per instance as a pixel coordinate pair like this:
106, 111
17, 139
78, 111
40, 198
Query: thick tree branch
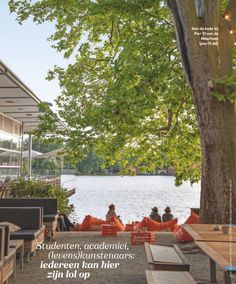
181, 39
156, 17
178, 111
169, 122
111, 34
118, 27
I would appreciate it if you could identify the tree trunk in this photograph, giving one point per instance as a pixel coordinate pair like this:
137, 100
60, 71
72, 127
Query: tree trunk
216, 120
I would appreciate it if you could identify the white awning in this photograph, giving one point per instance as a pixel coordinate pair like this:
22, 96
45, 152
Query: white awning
34, 154
52, 154
19, 102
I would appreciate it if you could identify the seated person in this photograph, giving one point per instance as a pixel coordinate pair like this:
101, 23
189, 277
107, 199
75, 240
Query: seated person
167, 216
76, 226
111, 212
154, 215
64, 223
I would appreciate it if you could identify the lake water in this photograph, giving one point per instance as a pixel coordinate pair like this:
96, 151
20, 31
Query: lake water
133, 196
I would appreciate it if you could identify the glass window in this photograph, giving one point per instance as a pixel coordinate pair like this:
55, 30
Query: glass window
10, 147
13, 172
10, 142
9, 158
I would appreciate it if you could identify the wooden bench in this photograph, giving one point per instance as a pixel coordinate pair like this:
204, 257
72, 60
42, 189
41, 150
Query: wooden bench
7, 255
8, 267
18, 245
1, 269
30, 220
170, 277
49, 206
166, 257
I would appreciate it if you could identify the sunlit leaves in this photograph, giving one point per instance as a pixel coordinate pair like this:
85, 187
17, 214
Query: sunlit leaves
124, 94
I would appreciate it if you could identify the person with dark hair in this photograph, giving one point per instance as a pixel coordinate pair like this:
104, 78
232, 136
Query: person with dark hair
112, 212
154, 215
167, 216
64, 223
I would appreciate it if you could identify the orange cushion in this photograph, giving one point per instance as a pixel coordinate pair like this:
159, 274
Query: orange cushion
152, 225
192, 219
98, 222
91, 223
86, 224
113, 219
181, 236
132, 227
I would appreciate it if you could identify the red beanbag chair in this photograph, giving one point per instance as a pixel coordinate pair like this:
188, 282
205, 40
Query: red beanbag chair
180, 234
152, 225
132, 227
91, 223
114, 220
86, 224
97, 224
192, 219
148, 223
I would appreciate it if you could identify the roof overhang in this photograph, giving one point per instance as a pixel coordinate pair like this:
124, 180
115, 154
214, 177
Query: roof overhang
19, 102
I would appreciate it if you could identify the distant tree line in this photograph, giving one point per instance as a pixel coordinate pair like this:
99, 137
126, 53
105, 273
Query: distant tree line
90, 164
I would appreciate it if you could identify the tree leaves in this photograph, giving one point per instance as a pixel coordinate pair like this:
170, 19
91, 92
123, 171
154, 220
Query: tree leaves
125, 94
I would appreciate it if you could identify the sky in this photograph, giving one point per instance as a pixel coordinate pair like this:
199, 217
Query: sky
26, 51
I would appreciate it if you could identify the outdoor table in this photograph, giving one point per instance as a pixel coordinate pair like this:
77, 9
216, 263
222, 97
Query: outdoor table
222, 253
204, 232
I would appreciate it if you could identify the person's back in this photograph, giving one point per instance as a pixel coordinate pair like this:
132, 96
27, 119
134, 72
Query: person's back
154, 215
167, 216
64, 223
111, 212
68, 223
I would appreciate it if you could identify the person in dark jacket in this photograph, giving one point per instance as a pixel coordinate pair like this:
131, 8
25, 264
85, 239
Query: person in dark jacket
64, 223
167, 216
112, 212
154, 215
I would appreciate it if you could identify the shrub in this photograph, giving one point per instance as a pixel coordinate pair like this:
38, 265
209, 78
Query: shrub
22, 188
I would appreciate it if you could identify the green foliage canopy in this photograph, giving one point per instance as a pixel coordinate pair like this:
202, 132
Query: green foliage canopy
124, 93
22, 188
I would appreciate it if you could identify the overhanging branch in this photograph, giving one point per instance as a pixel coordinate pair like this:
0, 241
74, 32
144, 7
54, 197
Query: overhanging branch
172, 4
169, 122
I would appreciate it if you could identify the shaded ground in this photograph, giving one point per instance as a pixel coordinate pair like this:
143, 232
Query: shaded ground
130, 271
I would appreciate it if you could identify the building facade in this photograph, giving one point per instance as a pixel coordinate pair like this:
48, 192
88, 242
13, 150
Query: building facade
10, 146
19, 114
